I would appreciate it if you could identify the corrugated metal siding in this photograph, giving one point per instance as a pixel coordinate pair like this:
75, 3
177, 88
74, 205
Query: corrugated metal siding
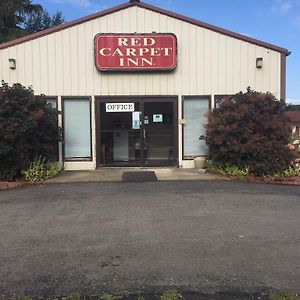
209, 63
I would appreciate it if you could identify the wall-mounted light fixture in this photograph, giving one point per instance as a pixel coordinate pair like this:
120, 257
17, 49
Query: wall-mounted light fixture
259, 62
12, 63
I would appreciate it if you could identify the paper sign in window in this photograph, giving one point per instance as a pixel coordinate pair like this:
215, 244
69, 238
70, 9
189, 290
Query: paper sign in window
157, 118
136, 120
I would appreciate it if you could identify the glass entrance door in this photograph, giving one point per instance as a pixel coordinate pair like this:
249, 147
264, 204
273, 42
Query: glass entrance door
139, 132
158, 133
119, 137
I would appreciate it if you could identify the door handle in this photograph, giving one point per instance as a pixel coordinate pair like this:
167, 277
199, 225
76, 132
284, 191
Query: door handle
144, 134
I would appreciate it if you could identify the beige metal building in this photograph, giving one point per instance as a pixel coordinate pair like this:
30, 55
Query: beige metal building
163, 111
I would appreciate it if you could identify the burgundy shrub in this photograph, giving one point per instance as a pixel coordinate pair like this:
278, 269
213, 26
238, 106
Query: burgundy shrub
250, 130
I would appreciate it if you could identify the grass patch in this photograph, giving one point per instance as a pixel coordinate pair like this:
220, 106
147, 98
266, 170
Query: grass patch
242, 174
107, 296
284, 294
171, 295
218, 168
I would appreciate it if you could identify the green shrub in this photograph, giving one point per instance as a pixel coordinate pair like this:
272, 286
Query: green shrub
235, 171
39, 170
250, 130
283, 295
292, 171
28, 129
73, 297
107, 296
170, 295
214, 167
218, 168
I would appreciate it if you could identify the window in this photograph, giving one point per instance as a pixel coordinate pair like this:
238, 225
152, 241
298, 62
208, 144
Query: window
195, 110
77, 128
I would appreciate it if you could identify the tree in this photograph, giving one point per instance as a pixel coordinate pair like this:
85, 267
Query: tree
41, 20
250, 130
28, 129
14, 16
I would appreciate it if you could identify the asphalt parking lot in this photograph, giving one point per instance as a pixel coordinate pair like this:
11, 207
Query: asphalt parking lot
93, 237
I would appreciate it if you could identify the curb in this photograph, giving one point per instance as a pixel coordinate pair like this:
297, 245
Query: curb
5, 185
295, 181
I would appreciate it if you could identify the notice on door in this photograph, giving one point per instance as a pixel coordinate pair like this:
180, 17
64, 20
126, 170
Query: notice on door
136, 120
119, 107
157, 118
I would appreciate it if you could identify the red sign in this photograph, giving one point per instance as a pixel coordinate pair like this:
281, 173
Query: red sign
135, 52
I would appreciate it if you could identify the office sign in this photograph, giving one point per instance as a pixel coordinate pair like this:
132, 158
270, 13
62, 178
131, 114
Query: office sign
135, 52
119, 107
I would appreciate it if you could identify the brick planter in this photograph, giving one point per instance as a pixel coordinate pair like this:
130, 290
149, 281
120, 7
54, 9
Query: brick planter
4, 185
286, 181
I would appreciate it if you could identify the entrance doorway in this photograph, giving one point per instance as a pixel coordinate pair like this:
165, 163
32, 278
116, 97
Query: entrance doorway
136, 131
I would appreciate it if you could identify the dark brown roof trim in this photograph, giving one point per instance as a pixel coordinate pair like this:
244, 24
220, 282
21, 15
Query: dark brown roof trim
283, 77
152, 8
214, 28
66, 25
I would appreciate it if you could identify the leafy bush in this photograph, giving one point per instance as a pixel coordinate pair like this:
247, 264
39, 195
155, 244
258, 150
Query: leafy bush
171, 295
285, 294
214, 167
295, 145
250, 130
292, 171
73, 297
235, 171
39, 170
107, 296
241, 174
28, 129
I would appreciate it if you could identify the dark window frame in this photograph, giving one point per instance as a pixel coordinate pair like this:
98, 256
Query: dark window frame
100, 99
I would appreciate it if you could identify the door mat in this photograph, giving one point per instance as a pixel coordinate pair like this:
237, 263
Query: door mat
142, 176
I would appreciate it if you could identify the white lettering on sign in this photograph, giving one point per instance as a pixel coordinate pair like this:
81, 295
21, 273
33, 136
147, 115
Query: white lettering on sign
135, 41
156, 51
119, 107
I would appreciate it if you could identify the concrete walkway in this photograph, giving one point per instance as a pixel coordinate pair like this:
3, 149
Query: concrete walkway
115, 175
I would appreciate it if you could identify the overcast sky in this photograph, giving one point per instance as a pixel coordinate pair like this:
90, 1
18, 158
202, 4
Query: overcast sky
273, 21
